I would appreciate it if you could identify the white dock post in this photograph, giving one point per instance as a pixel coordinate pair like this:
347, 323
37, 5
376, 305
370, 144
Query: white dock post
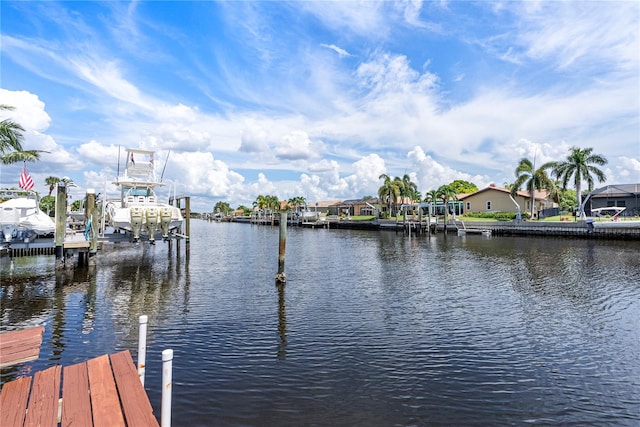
142, 346
167, 384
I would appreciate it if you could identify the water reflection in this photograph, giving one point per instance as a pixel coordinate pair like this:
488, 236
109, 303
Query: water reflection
282, 322
372, 328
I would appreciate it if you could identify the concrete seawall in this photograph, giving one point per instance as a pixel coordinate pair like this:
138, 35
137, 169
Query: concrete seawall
579, 229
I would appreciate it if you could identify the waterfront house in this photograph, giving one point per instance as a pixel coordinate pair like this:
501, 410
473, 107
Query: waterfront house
617, 195
323, 207
358, 207
496, 199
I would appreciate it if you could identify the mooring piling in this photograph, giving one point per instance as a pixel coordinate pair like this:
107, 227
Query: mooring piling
281, 277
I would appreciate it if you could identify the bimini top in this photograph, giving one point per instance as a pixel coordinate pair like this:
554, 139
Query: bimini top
140, 170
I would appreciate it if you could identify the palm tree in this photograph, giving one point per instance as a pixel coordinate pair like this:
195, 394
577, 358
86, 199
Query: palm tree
52, 181
579, 166
533, 179
261, 204
446, 193
430, 197
11, 138
389, 191
273, 203
409, 189
297, 202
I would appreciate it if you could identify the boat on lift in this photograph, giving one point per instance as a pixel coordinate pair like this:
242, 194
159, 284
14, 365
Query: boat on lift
138, 211
20, 217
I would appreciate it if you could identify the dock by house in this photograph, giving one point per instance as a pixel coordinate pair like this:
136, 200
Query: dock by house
103, 391
20, 346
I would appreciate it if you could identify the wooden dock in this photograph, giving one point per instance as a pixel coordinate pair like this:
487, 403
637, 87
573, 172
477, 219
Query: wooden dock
20, 346
104, 391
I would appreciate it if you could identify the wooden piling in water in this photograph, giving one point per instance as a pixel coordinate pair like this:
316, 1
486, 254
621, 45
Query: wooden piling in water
61, 220
281, 277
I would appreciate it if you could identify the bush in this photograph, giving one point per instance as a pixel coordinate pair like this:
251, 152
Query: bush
498, 216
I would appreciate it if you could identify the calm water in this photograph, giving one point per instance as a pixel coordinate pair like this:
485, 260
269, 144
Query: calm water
372, 328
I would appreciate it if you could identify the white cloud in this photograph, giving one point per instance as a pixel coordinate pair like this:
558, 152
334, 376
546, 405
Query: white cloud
430, 174
296, 146
341, 52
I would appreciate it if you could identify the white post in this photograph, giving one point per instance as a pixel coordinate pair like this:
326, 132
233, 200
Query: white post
142, 347
165, 410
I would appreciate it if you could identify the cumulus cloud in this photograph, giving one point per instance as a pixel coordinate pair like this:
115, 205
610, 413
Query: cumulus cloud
297, 146
430, 174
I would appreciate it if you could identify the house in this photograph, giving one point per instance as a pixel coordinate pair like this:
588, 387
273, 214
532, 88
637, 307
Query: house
618, 195
357, 207
498, 199
323, 208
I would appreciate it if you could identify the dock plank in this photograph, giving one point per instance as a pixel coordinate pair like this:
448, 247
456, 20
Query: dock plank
135, 403
20, 346
76, 401
43, 402
104, 398
13, 402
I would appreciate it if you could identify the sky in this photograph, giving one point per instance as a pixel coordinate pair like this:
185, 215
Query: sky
318, 99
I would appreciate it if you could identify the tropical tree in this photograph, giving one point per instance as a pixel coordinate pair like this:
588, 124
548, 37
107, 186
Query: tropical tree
579, 166
463, 187
389, 191
297, 202
11, 138
273, 203
222, 207
261, 203
446, 193
533, 179
52, 181
430, 197
245, 210
409, 189
48, 204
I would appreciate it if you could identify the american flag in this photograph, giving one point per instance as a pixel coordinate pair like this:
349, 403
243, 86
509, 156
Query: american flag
25, 179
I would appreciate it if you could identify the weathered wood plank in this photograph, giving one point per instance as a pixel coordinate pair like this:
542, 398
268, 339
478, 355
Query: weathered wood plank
76, 402
135, 402
43, 402
12, 336
104, 397
13, 402
20, 346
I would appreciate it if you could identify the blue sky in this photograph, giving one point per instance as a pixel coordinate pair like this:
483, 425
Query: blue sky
318, 99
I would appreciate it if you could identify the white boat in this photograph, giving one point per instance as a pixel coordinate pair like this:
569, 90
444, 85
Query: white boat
610, 218
138, 210
21, 218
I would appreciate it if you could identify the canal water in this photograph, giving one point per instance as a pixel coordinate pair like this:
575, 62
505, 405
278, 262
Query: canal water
372, 328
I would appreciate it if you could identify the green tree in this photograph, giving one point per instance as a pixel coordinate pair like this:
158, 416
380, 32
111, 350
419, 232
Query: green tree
463, 187
273, 204
533, 179
296, 203
409, 189
222, 208
11, 139
245, 210
446, 193
261, 204
430, 197
52, 181
48, 204
389, 191
580, 165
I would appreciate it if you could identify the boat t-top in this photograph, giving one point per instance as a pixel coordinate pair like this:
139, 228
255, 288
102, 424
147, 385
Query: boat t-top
138, 210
